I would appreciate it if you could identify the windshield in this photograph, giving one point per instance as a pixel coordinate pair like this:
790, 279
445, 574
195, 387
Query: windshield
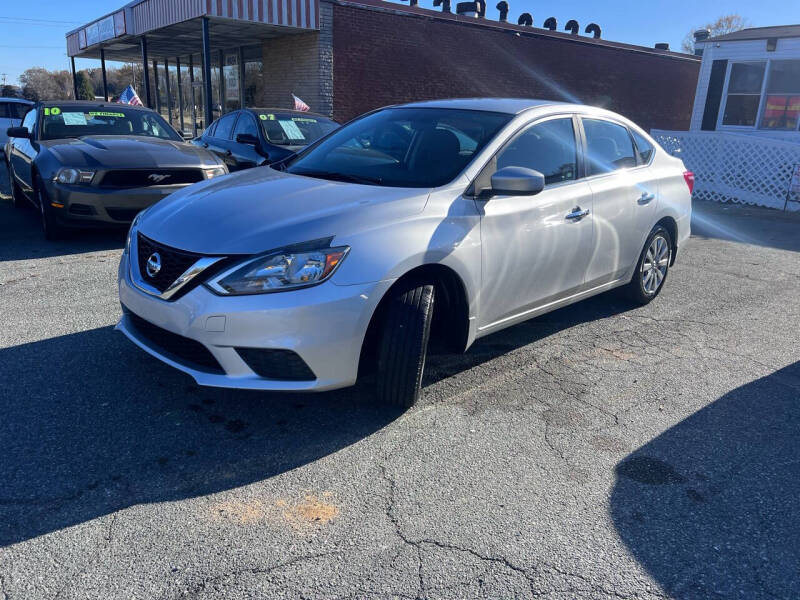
76, 121
402, 147
284, 129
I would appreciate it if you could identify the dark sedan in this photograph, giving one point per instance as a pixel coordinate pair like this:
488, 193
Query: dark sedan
90, 163
253, 137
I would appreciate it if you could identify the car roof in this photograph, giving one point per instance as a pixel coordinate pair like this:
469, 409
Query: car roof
288, 111
90, 104
19, 100
502, 105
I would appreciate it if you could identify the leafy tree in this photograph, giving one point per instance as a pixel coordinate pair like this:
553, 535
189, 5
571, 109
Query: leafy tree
724, 24
85, 87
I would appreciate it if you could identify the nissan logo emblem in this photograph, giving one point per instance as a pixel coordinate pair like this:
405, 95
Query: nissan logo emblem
153, 264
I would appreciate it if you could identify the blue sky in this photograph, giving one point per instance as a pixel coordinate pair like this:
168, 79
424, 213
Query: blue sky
26, 40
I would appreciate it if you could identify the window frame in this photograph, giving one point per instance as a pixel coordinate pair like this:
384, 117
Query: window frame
724, 104
235, 115
244, 115
764, 93
584, 148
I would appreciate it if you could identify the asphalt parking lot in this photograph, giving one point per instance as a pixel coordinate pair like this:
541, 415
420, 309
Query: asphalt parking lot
599, 451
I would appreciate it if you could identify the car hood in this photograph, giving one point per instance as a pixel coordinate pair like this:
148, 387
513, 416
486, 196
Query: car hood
128, 152
261, 209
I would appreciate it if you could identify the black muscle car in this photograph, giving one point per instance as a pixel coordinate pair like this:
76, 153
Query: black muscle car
90, 163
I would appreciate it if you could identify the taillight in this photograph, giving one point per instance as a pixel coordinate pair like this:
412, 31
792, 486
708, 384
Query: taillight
689, 177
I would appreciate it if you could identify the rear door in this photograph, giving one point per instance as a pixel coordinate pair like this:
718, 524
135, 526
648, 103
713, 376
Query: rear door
624, 199
535, 249
246, 156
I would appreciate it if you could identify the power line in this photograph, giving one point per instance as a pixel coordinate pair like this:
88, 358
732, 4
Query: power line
42, 21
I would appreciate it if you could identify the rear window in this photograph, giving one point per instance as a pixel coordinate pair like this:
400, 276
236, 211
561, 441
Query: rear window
77, 121
284, 129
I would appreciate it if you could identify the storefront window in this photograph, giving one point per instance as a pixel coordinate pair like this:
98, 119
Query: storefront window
744, 94
782, 102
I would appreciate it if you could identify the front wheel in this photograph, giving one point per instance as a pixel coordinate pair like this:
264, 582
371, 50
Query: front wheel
404, 345
653, 266
17, 199
50, 226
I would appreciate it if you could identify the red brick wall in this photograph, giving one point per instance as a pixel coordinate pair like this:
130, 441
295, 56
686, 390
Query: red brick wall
382, 58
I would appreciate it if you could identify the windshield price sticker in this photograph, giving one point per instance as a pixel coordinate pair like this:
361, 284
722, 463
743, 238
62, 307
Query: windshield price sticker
291, 129
74, 118
52, 111
107, 114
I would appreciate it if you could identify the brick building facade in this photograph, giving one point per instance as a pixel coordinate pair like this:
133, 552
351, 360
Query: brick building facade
371, 53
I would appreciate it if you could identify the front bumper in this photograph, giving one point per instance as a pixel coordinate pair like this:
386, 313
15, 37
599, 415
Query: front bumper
84, 205
324, 325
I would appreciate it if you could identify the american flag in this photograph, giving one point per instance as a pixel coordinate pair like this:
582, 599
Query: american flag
300, 105
129, 96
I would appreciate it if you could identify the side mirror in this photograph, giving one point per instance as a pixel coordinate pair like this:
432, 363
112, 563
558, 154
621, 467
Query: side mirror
18, 132
246, 138
187, 136
517, 181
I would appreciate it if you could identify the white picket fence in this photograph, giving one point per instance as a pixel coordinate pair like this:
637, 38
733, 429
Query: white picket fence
731, 167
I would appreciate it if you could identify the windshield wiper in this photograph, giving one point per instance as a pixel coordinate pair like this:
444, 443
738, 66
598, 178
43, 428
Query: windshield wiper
334, 176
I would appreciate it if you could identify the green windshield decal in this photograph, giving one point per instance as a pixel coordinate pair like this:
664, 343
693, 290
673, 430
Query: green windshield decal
107, 114
303, 120
267, 117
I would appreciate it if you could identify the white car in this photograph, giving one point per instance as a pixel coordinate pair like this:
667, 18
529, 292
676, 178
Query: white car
12, 110
444, 220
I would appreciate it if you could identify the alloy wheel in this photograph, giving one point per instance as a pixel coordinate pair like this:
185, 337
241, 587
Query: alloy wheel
655, 264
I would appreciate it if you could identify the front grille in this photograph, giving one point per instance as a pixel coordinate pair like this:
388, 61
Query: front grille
173, 262
183, 350
134, 178
122, 214
282, 365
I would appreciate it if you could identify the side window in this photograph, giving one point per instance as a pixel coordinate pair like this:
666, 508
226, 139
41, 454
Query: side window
5, 110
225, 126
246, 124
643, 148
609, 147
17, 110
547, 147
30, 121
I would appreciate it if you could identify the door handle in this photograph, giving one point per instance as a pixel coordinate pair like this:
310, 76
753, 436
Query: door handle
228, 153
577, 214
205, 145
646, 197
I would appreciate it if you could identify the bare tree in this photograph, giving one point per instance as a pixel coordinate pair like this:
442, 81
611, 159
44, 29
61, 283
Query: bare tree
724, 24
41, 84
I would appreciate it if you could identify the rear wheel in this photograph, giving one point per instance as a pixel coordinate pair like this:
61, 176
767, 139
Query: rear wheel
50, 226
404, 344
653, 266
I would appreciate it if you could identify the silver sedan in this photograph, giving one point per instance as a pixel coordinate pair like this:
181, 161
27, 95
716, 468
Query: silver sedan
438, 221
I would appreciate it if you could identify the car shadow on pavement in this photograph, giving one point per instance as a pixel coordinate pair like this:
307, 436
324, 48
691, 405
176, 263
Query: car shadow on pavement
21, 236
91, 425
711, 507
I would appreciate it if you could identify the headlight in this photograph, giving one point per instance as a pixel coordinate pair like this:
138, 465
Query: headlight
131, 232
71, 176
279, 271
215, 172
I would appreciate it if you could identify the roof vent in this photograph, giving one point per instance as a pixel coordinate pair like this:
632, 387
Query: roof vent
573, 27
467, 9
594, 29
525, 19
701, 35
445, 4
503, 8
662, 46
551, 23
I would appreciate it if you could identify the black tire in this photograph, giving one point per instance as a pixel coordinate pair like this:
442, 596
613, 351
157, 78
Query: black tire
638, 289
404, 344
51, 228
17, 199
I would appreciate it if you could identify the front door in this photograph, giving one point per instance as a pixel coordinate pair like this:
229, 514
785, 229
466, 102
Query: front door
535, 249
